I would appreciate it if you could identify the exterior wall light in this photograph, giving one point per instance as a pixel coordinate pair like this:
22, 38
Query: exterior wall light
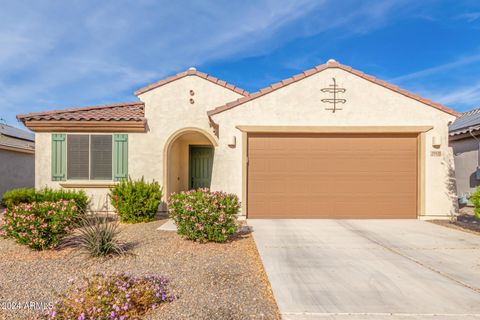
232, 142
436, 141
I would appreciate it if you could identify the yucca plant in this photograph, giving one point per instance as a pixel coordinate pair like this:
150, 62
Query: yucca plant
98, 237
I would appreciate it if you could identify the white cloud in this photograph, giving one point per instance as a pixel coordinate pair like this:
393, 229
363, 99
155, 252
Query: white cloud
470, 16
65, 54
464, 95
461, 62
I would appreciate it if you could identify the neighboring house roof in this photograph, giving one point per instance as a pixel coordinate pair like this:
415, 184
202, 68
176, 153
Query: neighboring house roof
192, 72
320, 68
13, 132
467, 121
15, 139
129, 111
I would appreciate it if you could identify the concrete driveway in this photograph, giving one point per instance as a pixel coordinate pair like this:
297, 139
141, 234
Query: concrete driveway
370, 269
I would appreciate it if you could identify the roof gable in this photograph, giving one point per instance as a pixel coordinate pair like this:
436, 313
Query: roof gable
320, 68
191, 72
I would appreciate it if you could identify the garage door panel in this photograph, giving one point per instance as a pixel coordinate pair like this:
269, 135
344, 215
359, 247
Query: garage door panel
332, 176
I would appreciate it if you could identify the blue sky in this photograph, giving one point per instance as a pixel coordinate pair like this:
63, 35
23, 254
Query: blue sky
59, 54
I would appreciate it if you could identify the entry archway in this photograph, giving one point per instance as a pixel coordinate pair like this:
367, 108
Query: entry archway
188, 160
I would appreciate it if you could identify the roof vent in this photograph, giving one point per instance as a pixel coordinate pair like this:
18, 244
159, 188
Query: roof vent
331, 61
192, 69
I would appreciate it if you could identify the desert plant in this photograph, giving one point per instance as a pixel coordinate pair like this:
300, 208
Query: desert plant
136, 200
40, 225
15, 197
116, 296
475, 200
204, 215
98, 236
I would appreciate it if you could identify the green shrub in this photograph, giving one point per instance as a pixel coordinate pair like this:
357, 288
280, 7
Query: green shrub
17, 196
475, 200
80, 198
98, 237
136, 201
40, 225
204, 215
14, 197
117, 296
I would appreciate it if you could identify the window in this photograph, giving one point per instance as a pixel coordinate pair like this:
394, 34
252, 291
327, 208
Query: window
89, 157
101, 157
77, 157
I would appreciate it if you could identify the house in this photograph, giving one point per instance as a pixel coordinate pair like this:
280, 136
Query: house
464, 137
330, 142
17, 158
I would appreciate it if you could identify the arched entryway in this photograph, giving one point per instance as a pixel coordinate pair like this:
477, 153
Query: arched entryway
188, 160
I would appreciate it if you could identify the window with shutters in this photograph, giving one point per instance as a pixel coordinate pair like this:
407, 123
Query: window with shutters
89, 157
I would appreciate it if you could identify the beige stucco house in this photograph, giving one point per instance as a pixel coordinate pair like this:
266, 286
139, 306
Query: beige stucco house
330, 142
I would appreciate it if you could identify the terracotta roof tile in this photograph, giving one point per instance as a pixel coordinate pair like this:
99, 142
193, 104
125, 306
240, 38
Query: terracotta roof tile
130, 111
191, 72
320, 68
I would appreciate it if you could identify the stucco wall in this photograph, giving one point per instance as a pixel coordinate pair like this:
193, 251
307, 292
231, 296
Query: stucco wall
466, 161
168, 110
17, 170
368, 104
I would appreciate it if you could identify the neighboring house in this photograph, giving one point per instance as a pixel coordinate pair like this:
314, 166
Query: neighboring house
465, 140
17, 159
287, 150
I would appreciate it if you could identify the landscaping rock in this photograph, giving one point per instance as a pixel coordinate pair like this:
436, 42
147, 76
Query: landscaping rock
211, 280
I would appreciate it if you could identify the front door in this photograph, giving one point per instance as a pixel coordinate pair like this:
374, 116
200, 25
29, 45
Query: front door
200, 166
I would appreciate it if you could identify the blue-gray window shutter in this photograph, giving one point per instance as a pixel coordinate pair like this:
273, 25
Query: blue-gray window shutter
120, 156
59, 156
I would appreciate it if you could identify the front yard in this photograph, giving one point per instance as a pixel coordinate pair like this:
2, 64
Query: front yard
211, 280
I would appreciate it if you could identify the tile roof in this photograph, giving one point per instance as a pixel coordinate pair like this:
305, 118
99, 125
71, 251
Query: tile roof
466, 121
192, 72
16, 133
329, 64
130, 111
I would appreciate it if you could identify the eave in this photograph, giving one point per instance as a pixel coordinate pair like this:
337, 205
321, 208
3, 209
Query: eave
86, 126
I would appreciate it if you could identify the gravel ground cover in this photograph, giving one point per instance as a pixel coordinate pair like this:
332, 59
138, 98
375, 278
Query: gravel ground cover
465, 222
212, 281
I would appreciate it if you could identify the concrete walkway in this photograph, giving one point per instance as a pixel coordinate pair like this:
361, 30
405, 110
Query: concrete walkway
370, 269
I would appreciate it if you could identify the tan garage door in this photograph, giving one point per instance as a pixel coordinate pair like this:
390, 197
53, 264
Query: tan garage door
332, 176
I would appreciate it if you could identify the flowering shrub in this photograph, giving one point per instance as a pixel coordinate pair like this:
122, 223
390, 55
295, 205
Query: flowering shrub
15, 197
117, 296
136, 201
204, 215
40, 225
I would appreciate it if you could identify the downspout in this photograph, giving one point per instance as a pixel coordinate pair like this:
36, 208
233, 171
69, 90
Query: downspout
478, 146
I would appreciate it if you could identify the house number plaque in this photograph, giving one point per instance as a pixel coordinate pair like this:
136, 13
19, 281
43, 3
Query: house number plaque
334, 90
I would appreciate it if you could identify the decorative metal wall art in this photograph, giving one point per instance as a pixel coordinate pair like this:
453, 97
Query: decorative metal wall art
334, 89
